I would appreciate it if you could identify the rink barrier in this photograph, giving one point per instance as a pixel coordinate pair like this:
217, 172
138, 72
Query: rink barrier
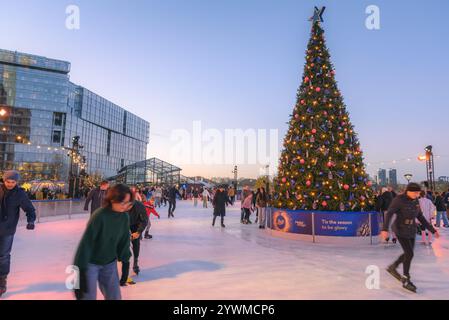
56, 208
325, 226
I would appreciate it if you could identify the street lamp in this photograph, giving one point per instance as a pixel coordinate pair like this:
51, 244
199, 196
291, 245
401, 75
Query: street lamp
430, 168
75, 162
408, 177
3, 112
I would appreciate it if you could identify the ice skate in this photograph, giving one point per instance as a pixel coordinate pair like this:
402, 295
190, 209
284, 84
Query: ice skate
392, 270
407, 284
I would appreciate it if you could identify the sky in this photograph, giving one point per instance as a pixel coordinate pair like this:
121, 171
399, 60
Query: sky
237, 64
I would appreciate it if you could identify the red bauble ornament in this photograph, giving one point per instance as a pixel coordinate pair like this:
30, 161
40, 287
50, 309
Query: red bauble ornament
330, 164
302, 161
341, 141
284, 180
324, 204
296, 116
346, 187
369, 183
318, 89
333, 72
308, 183
306, 79
313, 131
303, 102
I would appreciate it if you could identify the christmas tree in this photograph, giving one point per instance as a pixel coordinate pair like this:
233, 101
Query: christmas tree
321, 166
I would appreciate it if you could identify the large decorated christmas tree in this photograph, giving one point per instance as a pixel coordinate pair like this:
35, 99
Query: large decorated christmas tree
321, 166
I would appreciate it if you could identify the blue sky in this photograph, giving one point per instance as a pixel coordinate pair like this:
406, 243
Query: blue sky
238, 64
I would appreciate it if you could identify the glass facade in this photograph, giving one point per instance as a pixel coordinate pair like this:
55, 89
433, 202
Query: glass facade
41, 111
149, 172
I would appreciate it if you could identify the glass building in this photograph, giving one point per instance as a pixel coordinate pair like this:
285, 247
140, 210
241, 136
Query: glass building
41, 111
149, 172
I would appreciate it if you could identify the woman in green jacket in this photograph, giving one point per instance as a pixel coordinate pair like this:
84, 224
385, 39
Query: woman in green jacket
106, 240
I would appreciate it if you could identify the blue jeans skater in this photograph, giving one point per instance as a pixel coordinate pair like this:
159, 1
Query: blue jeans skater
444, 215
107, 278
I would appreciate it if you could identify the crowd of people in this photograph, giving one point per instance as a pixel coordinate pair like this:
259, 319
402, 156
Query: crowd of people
121, 218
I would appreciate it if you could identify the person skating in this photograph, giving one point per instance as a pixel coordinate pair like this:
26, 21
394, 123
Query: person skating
407, 210
428, 209
441, 210
231, 195
261, 203
150, 209
106, 240
157, 197
12, 198
138, 221
195, 195
219, 202
172, 194
382, 203
245, 193
247, 205
206, 196
96, 196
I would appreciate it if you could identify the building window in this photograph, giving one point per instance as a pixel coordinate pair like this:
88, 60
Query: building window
108, 148
58, 119
56, 136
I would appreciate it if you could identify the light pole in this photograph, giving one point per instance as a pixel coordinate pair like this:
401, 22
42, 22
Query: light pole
235, 172
267, 181
408, 177
75, 161
430, 168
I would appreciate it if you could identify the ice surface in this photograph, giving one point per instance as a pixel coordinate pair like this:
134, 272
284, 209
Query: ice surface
189, 259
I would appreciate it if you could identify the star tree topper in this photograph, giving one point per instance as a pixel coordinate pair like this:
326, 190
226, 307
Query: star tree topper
318, 15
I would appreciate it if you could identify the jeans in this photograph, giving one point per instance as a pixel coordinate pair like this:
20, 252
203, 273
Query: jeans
5, 254
107, 278
195, 202
247, 213
157, 202
444, 215
262, 216
408, 246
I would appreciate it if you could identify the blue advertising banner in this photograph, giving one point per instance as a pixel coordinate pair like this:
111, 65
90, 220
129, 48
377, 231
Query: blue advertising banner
299, 222
326, 223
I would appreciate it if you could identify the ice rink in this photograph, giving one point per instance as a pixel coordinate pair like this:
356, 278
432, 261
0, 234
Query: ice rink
189, 259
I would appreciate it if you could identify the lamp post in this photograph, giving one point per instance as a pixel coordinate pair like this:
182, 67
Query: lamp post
267, 181
235, 172
75, 162
408, 177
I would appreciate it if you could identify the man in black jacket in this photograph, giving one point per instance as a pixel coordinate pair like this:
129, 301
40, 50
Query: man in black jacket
219, 202
172, 193
138, 221
96, 197
383, 202
407, 210
12, 198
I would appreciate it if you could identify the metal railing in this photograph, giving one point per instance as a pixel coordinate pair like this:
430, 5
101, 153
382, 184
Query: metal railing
56, 208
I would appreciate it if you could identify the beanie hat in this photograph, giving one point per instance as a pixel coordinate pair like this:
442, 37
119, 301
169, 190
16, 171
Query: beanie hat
11, 175
413, 187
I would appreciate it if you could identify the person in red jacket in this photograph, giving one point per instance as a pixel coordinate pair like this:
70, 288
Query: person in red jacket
149, 206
